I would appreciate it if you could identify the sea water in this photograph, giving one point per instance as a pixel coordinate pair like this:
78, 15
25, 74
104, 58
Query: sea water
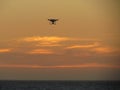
59, 85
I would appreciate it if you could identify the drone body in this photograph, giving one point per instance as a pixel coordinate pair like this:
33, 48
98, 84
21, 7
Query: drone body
53, 21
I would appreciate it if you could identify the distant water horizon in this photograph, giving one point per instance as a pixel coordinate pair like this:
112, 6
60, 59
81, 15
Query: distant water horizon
59, 85
55, 80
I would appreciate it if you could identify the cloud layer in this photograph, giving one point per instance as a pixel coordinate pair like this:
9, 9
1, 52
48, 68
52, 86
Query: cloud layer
89, 65
59, 52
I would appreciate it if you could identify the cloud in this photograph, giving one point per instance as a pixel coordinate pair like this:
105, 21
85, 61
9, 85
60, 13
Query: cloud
89, 65
48, 44
106, 50
6, 50
41, 51
95, 47
103, 50
52, 39
83, 46
59, 45
46, 41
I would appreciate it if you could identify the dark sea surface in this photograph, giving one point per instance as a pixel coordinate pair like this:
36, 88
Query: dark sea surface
59, 85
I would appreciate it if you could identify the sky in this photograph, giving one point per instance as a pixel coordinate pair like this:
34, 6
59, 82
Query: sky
83, 45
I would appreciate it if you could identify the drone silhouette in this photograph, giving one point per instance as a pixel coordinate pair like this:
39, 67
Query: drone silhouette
53, 21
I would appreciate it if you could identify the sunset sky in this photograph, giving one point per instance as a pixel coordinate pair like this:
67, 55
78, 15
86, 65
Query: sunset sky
84, 45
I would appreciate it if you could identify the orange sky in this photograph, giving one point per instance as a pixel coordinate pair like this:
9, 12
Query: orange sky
84, 42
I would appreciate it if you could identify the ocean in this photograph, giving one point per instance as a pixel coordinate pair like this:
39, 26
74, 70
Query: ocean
59, 85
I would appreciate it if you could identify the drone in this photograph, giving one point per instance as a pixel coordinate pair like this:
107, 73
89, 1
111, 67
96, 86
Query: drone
53, 21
